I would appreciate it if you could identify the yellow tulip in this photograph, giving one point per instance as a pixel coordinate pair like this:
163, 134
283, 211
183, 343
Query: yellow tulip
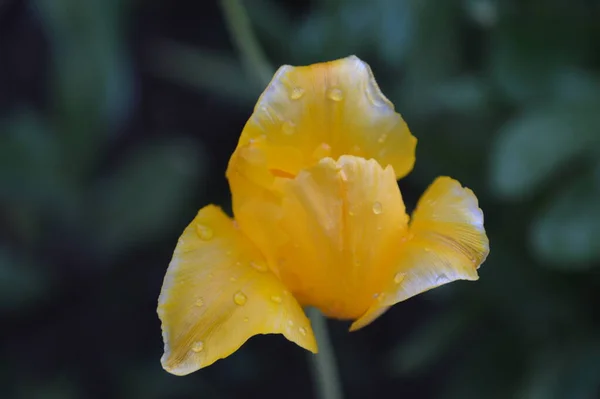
319, 221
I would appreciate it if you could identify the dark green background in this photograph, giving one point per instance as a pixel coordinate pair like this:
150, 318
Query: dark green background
117, 118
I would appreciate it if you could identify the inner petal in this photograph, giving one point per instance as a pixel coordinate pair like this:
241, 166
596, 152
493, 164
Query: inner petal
343, 221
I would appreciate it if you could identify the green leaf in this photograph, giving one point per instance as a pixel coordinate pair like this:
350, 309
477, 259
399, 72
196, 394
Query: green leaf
145, 195
529, 50
533, 146
22, 283
565, 235
427, 343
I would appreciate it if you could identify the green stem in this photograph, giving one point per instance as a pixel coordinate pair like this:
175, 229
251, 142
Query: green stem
324, 369
244, 39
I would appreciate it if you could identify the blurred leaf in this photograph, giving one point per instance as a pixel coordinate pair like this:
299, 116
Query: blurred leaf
530, 49
29, 162
145, 194
428, 342
565, 374
22, 283
532, 147
433, 54
466, 94
565, 235
217, 74
92, 78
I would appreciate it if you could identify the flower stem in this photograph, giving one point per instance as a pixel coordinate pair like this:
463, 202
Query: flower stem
324, 369
244, 39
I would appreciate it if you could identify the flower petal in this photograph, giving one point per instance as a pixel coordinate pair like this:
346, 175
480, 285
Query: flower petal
330, 109
448, 243
217, 293
343, 221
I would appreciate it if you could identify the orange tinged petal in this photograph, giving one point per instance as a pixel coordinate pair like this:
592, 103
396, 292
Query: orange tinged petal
448, 243
343, 220
217, 293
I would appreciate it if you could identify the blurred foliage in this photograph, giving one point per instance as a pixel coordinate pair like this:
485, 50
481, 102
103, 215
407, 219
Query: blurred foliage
117, 119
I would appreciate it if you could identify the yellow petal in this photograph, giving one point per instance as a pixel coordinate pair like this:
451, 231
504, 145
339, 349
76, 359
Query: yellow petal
329, 109
217, 293
343, 221
448, 243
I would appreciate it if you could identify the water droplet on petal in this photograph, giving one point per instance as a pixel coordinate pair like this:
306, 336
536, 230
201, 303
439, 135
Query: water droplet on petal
323, 150
441, 279
204, 232
377, 207
276, 298
302, 330
427, 249
335, 94
291, 323
288, 128
398, 277
198, 346
296, 93
382, 138
240, 298
199, 302
246, 320
259, 266
232, 279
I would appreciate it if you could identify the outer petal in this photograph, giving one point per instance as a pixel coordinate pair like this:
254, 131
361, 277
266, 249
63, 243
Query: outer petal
344, 220
217, 293
330, 109
448, 243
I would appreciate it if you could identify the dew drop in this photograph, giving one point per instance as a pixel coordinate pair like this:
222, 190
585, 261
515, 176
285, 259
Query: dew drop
296, 93
199, 302
288, 128
302, 330
335, 94
198, 346
427, 249
246, 320
382, 138
276, 298
232, 279
240, 298
291, 323
204, 232
398, 277
259, 266
321, 151
377, 207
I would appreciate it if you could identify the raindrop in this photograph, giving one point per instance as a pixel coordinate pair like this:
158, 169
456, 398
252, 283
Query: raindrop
240, 298
199, 302
377, 207
382, 138
259, 266
335, 94
246, 320
291, 323
296, 93
398, 277
204, 232
288, 128
302, 330
198, 346
276, 298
